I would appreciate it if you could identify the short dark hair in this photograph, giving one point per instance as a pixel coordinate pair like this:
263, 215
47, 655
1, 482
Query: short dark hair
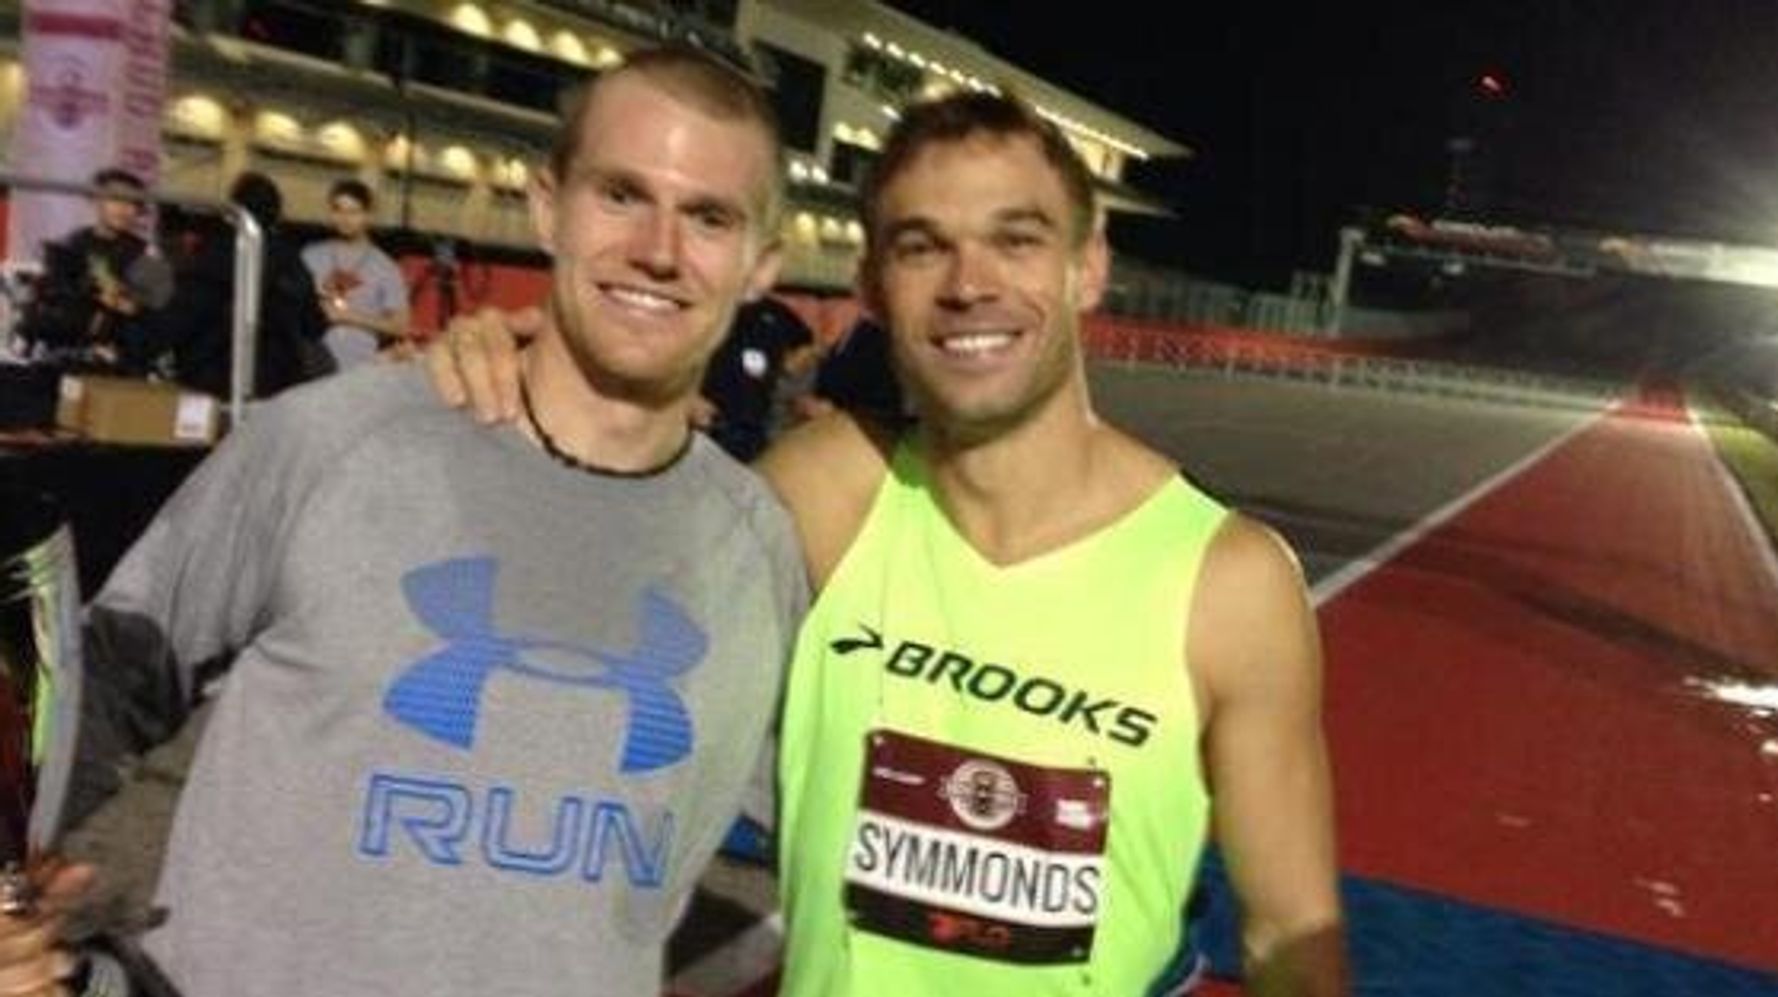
961, 116
116, 177
259, 196
354, 189
696, 77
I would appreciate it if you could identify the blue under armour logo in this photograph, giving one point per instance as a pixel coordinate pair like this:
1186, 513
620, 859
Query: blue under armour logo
441, 694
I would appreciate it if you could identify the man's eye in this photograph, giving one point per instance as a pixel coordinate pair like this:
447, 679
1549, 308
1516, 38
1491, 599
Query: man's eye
617, 194
714, 219
1018, 241
914, 249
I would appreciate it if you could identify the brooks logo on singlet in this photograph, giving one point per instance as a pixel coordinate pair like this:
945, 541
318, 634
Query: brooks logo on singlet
999, 684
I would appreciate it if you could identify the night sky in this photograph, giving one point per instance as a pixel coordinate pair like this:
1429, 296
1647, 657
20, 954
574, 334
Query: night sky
1654, 116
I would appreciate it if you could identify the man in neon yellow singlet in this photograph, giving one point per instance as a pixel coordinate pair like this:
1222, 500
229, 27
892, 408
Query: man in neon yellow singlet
1042, 668
1038, 654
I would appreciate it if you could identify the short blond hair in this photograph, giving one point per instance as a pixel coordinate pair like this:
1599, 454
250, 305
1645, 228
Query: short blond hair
699, 79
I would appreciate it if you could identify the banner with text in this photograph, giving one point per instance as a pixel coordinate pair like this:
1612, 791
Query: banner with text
95, 84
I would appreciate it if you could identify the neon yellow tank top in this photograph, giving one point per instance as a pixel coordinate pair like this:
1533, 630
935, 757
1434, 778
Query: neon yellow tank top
990, 775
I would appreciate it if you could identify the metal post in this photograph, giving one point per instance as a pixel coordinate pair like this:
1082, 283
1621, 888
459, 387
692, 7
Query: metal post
244, 334
1340, 288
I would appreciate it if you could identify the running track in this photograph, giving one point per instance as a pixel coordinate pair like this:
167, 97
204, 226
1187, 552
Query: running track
1540, 786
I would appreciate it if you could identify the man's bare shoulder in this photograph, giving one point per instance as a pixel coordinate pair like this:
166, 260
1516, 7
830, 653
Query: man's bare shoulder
1246, 554
834, 451
827, 472
1251, 621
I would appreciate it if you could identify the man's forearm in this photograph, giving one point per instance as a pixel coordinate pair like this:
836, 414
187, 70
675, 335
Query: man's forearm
1309, 965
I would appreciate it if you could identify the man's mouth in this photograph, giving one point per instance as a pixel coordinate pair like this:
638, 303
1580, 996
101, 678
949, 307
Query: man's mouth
976, 343
642, 300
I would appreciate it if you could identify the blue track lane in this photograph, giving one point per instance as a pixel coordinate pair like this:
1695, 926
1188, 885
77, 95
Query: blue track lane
1408, 942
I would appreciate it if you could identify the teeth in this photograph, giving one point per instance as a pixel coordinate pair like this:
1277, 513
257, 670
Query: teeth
976, 343
644, 300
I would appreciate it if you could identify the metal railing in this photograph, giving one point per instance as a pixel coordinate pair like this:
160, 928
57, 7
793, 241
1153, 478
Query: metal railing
1284, 361
244, 322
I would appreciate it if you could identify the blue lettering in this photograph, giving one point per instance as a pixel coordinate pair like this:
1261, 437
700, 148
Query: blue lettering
435, 817
434, 814
551, 861
614, 820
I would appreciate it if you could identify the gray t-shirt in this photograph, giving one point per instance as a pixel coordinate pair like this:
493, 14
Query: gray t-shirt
367, 280
489, 717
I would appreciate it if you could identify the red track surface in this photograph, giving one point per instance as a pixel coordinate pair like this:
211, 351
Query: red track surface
1513, 711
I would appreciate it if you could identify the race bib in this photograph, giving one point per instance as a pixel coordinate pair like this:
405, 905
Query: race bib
976, 854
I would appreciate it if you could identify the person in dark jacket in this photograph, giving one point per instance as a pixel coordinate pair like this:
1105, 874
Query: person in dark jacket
199, 325
765, 341
101, 286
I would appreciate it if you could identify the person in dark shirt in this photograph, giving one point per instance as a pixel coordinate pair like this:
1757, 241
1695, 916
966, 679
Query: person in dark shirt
858, 376
765, 341
100, 284
199, 326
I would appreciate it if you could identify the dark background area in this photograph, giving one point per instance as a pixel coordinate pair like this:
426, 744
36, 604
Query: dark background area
1650, 116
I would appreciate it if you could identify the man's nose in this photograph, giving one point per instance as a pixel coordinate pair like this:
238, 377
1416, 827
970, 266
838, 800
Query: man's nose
973, 277
655, 244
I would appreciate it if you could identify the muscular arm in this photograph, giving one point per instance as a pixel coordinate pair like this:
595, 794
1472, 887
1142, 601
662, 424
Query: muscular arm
826, 472
1256, 658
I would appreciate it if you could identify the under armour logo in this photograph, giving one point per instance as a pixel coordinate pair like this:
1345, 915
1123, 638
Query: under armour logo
440, 695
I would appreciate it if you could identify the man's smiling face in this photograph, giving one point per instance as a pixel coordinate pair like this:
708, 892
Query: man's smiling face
658, 230
981, 270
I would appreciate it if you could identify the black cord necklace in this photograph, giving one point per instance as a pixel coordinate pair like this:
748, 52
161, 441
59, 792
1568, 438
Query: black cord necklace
568, 460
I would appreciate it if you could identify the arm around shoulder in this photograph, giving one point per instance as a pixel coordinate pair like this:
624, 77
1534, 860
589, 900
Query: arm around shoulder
1255, 653
826, 472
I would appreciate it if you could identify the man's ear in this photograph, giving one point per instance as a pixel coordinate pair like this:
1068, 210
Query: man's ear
766, 268
867, 286
540, 197
1095, 267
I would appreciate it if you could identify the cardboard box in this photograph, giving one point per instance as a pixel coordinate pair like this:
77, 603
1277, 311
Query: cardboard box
143, 413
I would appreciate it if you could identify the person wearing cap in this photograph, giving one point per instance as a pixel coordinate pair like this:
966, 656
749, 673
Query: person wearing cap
101, 282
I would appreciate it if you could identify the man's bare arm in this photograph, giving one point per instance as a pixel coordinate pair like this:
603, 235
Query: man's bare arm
1256, 656
826, 472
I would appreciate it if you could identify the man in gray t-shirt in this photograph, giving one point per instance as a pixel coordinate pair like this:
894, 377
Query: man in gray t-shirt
361, 288
495, 691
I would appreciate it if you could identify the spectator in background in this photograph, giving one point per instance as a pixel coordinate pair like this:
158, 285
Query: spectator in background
199, 327
765, 342
101, 283
361, 289
856, 376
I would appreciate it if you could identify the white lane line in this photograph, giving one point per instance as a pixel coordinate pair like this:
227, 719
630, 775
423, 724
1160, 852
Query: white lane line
1750, 522
1348, 574
741, 962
